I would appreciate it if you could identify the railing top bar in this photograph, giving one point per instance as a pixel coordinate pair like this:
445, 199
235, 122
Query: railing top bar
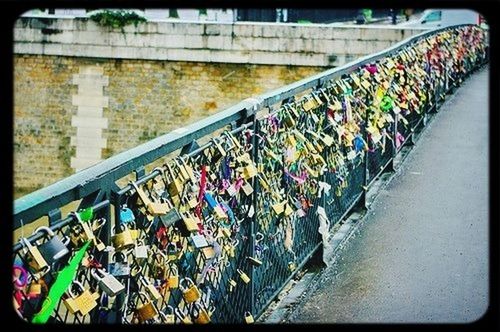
74, 187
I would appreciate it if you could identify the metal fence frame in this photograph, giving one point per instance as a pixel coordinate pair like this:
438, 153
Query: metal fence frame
96, 186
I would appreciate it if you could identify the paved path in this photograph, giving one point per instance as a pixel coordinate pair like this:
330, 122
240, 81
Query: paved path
422, 253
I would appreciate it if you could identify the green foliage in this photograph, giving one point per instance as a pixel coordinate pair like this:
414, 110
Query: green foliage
116, 18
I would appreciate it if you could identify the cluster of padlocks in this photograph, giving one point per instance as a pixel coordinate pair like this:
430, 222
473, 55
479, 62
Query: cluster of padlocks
211, 236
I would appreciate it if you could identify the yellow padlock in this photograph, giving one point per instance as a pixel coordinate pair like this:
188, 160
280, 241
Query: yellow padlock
191, 293
173, 276
146, 310
201, 315
248, 317
243, 276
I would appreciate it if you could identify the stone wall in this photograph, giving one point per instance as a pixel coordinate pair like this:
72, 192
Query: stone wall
143, 99
240, 42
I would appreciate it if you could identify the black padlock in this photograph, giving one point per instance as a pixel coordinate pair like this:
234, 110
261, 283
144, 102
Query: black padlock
53, 249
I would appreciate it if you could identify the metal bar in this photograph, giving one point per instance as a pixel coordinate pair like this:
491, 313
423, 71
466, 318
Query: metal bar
59, 225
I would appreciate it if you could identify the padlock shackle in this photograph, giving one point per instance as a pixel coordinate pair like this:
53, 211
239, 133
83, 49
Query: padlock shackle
46, 230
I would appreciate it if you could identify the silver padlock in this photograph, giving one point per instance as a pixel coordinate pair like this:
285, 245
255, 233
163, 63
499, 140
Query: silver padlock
141, 250
107, 282
119, 267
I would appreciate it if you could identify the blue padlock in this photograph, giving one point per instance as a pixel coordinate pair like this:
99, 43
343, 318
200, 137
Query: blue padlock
126, 215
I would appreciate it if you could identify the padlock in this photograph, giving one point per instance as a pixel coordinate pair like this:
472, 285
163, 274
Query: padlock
82, 303
34, 259
158, 267
107, 282
141, 250
254, 261
182, 317
150, 289
200, 314
172, 276
208, 252
199, 241
122, 240
174, 185
288, 210
191, 293
171, 217
232, 284
120, 267
243, 276
146, 310
249, 318
183, 174
292, 266
126, 215
53, 249
168, 318
249, 171
173, 253
154, 208
190, 222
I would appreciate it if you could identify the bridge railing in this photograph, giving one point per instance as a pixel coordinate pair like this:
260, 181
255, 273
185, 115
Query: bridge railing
216, 232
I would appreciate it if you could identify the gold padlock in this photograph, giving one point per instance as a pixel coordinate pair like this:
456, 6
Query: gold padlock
190, 222
232, 284
191, 293
154, 208
35, 259
146, 310
123, 240
248, 317
201, 315
174, 185
82, 303
249, 171
173, 276
243, 276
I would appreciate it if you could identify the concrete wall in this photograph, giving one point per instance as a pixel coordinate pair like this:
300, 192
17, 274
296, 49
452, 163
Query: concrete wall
240, 42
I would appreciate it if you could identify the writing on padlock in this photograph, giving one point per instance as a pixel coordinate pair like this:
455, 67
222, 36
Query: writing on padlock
81, 303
